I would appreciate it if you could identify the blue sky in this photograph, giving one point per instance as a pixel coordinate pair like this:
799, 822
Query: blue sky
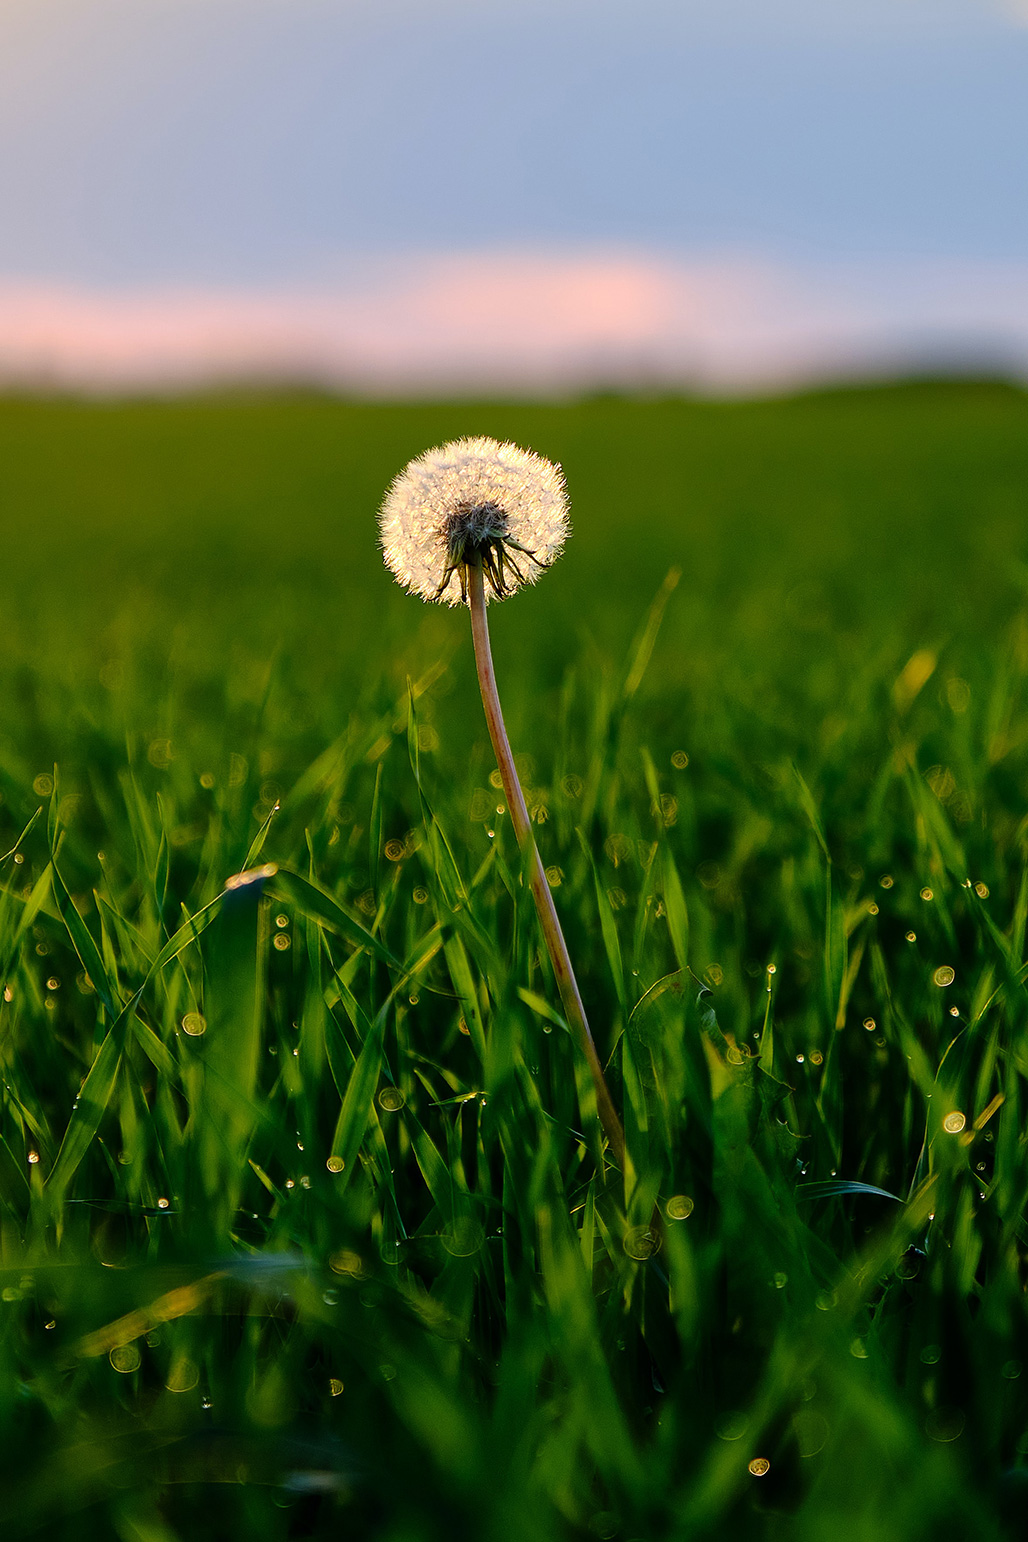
257, 140
289, 143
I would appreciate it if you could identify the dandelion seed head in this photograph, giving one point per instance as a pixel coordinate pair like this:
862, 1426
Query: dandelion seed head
470, 501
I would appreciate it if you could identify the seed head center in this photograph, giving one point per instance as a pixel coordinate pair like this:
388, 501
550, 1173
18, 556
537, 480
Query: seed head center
473, 528
477, 535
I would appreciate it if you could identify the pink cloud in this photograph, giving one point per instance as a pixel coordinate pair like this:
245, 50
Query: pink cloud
523, 322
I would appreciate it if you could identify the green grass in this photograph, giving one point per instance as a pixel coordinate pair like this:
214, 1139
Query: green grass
348, 1261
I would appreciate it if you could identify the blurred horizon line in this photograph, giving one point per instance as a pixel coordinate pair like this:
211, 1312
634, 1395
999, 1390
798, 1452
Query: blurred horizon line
527, 323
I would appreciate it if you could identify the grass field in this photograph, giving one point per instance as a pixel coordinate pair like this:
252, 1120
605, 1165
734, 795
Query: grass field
306, 1225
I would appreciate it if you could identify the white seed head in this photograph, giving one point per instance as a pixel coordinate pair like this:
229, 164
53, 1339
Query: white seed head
469, 502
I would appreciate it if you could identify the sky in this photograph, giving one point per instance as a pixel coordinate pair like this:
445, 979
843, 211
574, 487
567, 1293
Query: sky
398, 193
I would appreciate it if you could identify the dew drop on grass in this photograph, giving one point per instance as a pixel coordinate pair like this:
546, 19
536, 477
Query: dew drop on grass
163, 1204
335, 1164
816, 1057
886, 881
125, 1358
759, 1467
194, 1024
800, 1059
954, 1011
391, 1099
1011, 1370
33, 1157
183, 1375
281, 942
335, 1386
347, 1262
464, 1237
779, 1281
732, 1427
944, 975
870, 1024
927, 894
982, 890
641, 1242
679, 1207
810, 1429
944, 1424
872, 909
911, 936
954, 1122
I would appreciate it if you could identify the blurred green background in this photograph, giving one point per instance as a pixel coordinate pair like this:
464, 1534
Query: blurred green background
817, 538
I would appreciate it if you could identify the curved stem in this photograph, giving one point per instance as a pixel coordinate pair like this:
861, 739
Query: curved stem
574, 1010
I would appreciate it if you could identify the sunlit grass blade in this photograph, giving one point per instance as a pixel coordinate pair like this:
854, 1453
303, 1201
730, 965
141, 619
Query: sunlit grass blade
311, 900
91, 1105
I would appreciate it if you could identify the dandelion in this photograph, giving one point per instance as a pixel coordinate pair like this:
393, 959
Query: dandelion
471, 503
468, 514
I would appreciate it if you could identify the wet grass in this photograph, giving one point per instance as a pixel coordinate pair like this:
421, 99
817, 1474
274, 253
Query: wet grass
306, 1225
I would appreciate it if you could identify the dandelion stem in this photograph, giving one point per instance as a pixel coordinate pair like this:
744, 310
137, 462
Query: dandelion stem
574, 1009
